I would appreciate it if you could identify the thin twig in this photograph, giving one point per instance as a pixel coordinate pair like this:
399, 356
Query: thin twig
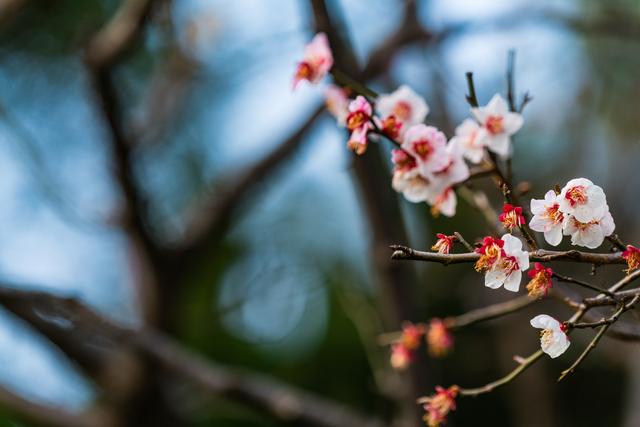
463, 241
511, 97
523, 366
472, 99
489, 312
606, 324
568, 279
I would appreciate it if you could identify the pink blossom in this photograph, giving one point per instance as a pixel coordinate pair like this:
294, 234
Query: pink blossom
427, 144
471, 137
400, 110
499, 124
317, 61
358, 121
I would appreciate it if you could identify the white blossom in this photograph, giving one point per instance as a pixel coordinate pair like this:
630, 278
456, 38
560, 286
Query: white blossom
547, 218
507, 270
589, 234
499, 123
583, 199
553, 339
471, 138
404, 104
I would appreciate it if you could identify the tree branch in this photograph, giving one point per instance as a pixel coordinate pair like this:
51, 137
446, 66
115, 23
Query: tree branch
541, 255
489, 312
49, 416
277, 399
212, 216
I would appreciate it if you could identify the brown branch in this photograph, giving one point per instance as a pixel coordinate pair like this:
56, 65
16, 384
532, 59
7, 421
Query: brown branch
117, 37
606, 324
463, 241
47, 312
584, 284
408, 32
489, 312
541, 255
523, 366
105, 49
41, 415
213, 216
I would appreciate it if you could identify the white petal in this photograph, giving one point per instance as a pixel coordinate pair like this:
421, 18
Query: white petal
557, 346
554, 235
512, 283
494, 278
544, 321
512, 122
499, 144
523, 260
538, 206
607, 224
497, 106
550, 197
591, 237
511, 244
448, 206
539, 223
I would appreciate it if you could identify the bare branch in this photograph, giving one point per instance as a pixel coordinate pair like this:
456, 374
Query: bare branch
265, 394
49, 416
540, 255
119, 35
606, 324
523, 366
489, 312
212, 216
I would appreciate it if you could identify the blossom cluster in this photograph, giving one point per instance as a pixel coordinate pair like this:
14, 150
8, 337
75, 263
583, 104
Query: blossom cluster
580, 210
437, 335
427, 165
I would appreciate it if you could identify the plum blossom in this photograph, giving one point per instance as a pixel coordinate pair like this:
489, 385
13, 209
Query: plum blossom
507, 264
412, 335
583, 200
454, 169
438, 405
443, 244
439, 338
359, 123
401, 357
428, 145
547, 218
337, 103
400, 110
499, 124
444, 203
490, 252
540, 282
553, 338
407, 179
403, 351
511, 217
471, 137
317, 61
588, 234
632, 255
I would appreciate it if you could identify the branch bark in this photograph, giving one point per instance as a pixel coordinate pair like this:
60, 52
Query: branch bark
541, 255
